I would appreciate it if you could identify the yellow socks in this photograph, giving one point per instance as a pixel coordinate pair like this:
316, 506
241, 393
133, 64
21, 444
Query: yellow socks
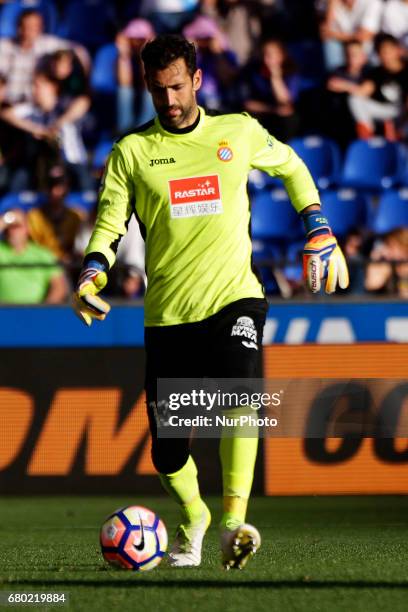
234, 512
182, 486
238, 456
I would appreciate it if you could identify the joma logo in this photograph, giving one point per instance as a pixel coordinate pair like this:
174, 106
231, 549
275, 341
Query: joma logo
163, 160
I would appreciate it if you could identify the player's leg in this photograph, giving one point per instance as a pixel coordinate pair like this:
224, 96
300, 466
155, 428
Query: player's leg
238, 331
167, 356
366, 111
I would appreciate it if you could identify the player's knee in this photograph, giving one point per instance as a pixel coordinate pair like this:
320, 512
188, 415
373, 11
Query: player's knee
168, 460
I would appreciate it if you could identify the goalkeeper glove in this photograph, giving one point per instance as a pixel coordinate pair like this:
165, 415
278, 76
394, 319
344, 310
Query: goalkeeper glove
322, 256
87, 305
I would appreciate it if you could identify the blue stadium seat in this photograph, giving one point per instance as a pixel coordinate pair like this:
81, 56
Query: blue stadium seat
24, 200
104, 85
322, 157
84, 200
103, 74
274, 223
373, 164
392, 211
293, 269
273, 217
403, 176
345, 209
100, 154
10, 12
263, 250
89, 22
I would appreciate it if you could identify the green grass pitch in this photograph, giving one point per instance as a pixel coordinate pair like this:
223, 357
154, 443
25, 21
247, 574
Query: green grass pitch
318, 554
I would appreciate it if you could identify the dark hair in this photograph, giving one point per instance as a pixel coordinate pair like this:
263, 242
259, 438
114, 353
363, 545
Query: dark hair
56, 176
45, 72
28, 13
165, 49
380, 39
61, 53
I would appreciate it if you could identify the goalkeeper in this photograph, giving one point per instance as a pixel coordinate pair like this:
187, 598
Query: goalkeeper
184, 176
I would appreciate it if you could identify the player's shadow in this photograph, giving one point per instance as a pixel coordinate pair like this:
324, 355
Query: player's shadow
187, 583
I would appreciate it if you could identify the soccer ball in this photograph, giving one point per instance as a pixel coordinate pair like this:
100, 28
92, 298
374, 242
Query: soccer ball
133, 538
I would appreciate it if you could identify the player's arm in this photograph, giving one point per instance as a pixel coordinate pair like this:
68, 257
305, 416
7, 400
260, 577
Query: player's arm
322, 257
114, 211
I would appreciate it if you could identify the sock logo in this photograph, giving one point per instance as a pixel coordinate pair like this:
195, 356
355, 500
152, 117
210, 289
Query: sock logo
245, 326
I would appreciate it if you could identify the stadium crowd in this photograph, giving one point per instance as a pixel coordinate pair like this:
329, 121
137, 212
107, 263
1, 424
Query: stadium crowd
326, 76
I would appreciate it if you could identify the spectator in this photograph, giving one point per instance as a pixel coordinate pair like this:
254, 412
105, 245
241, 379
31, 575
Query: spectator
240, 23
383, 95
134, 104
39, 280
352, 72
385, 274
128, 279
395, 20
6, 141
65, 67
347, 20
19, 57
270, 90
169, 16
54, 225
290, 20
218, 63
340, 84
131, 255
3, 87
54, 133
353, 247
130, 283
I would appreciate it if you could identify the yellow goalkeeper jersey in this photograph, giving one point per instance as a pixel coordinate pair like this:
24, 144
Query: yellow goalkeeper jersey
188, 190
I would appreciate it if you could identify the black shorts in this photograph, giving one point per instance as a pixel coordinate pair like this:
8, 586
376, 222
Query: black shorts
226, 345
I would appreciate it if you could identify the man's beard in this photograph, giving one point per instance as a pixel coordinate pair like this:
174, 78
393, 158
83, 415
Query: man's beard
178, 119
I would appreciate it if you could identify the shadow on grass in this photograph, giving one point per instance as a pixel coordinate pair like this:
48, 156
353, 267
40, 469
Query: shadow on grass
186, 583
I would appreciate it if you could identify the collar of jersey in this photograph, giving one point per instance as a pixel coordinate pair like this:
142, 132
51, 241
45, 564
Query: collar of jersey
186, 133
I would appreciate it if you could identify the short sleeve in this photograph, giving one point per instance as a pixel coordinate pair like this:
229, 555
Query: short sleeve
371, 20
5, 54
47, 257
23, 110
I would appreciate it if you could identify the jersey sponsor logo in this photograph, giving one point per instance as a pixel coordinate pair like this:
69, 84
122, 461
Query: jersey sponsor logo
162, 160
245, 327
196, 196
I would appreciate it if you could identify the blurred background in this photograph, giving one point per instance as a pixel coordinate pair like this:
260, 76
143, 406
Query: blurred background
328, 77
